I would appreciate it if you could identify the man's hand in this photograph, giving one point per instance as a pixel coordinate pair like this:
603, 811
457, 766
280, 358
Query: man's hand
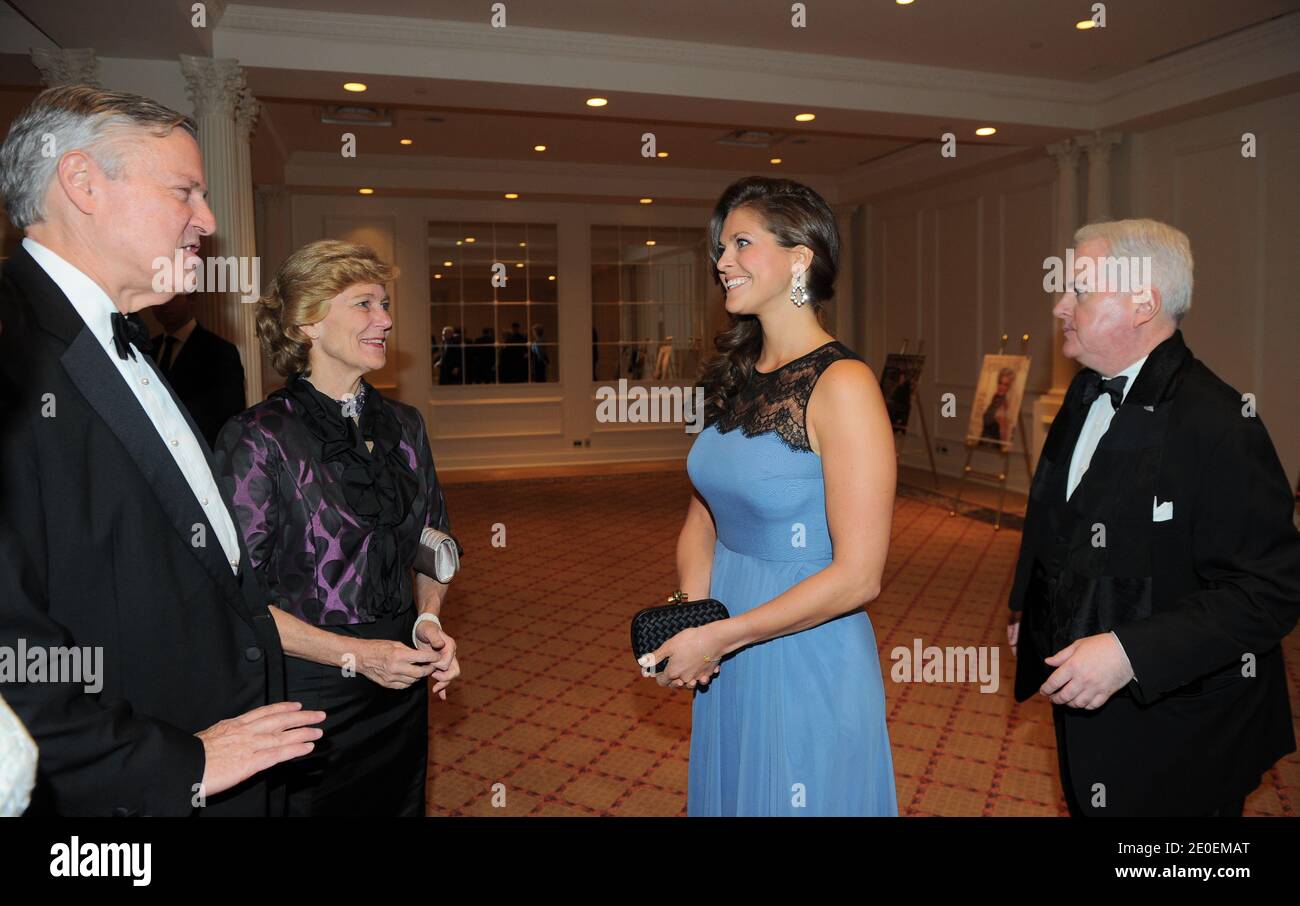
446, 668
239, 747
1088, 672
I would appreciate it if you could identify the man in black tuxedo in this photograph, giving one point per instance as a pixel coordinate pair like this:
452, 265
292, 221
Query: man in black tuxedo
113, 532
1159, 569
203, 369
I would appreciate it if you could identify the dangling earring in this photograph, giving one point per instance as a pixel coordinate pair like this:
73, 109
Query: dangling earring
798, 292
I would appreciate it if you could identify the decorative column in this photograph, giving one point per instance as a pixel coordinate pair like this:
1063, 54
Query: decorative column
62, 66
1066, 154
1098, 146
274, 231
271, 203
226, 111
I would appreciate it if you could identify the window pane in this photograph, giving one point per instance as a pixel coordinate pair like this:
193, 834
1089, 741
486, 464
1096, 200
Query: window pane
545, 318
543, 363
542, 284
650, 305
481, 346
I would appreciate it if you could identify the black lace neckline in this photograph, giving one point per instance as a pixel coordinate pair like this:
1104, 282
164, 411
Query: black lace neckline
795, 360
777, 401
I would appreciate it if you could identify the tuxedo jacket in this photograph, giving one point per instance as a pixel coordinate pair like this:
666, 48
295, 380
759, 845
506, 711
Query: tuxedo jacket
208, 377
1200, 600
98, 549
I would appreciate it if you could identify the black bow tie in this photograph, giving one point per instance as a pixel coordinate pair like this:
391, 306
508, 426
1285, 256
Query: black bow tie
1099, 385
128, 330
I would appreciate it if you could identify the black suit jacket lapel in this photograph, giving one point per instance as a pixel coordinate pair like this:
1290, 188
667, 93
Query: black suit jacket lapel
97, 378
1058, 448
1127, 459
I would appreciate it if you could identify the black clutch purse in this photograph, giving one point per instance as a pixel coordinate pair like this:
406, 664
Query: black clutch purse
653, 626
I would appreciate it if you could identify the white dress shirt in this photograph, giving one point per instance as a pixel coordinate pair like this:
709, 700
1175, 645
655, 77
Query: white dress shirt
1095, 425
17, 764
96, 309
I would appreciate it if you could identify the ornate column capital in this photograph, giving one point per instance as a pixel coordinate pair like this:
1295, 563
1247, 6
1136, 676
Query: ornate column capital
1066, 154
215, 86
63, 66
1098, 144
247, 111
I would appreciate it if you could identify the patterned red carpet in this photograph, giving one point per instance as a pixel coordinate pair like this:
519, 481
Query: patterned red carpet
552, 717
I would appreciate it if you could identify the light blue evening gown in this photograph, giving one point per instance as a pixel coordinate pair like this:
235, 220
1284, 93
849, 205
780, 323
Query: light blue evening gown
795, 725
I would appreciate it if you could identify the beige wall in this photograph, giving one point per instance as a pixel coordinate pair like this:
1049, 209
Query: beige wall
959, 263
1243, 217
956, 266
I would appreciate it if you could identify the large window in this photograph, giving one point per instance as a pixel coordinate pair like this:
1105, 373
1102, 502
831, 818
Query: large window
650, 288
495, 316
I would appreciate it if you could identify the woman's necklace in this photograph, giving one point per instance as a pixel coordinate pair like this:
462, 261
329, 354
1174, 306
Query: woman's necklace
352, 403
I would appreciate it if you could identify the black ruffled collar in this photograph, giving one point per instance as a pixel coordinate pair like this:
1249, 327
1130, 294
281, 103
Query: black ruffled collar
379, 485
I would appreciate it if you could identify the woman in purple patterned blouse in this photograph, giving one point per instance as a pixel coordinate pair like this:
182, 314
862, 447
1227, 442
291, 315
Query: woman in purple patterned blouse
333, 485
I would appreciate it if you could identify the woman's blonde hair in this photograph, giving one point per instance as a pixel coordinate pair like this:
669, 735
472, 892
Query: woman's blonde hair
301, 292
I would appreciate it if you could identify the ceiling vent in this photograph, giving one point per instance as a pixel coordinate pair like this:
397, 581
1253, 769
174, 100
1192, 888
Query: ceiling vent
752, 138
341, 115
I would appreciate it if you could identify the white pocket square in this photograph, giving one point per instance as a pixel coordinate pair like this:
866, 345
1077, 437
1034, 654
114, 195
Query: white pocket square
1161, 512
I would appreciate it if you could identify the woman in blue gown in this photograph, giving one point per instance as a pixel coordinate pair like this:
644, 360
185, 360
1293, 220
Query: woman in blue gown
789, 527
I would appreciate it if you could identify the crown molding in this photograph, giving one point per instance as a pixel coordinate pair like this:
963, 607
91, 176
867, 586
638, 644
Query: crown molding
596, 48
1259, 54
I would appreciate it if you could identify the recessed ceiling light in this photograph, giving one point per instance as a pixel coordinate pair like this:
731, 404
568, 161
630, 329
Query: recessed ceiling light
550, 277
523, 245
903, 2
512, 195
649, 242
597, 102
366, 191
469, 238
447, 264
647, 201
985, 130
775, 160
1084, 25
354, 86
519, 264
406, 141
539, 147
458, 242
661, 154
804, 117
437, 276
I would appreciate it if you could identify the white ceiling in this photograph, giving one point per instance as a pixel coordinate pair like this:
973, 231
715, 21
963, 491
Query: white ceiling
1012, 37
1027, 60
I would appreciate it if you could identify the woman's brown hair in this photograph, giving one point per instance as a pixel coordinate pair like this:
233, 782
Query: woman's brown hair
301, 292
795, 215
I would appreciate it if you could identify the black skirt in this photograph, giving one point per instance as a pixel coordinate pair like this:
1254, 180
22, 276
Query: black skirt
373, 756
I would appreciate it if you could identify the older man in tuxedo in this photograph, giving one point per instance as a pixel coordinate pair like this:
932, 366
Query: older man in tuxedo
1160, 568
115, 535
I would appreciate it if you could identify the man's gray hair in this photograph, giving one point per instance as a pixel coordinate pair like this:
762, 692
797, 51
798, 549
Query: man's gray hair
73, 118
1168, 249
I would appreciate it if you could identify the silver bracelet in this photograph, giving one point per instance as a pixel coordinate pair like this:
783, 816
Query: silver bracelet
432, 618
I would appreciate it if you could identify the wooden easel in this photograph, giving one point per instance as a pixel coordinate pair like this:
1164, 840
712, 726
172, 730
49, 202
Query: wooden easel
920, 411
999, 476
